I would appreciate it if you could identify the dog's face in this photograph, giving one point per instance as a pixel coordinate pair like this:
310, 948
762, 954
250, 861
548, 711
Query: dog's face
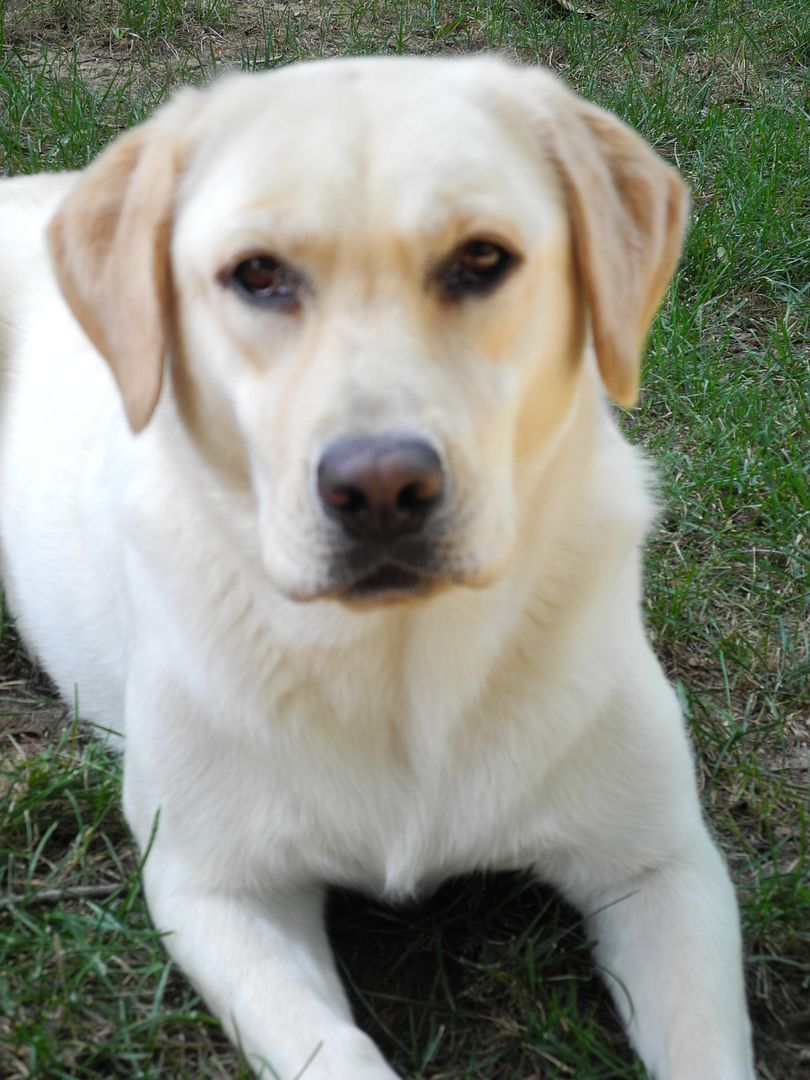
375, 276
373, 279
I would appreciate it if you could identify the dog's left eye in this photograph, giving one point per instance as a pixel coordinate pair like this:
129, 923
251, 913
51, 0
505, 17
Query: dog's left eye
267, 280
475, 269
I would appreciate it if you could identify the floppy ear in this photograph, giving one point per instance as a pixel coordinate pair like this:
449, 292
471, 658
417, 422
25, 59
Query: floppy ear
628, 213
109, 246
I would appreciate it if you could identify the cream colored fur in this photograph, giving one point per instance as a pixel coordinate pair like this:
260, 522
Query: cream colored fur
169, 563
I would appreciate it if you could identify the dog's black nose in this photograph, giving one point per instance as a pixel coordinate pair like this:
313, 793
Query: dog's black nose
380, 488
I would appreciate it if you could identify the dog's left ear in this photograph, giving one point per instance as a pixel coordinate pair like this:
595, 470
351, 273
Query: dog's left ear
628, 212
109, 243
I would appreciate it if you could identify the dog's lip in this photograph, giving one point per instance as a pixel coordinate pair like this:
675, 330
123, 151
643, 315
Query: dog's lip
386, 581
391, 582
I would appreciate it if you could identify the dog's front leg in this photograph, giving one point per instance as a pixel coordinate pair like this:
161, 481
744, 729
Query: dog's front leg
225, 873
264, 965
668, 942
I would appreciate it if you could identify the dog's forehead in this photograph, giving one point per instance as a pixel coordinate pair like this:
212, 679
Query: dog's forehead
336, 144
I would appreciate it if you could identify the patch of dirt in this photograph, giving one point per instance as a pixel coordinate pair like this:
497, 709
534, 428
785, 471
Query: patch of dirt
39, 727
31, 716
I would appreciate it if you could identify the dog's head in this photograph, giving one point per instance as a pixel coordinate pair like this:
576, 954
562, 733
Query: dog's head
373, 281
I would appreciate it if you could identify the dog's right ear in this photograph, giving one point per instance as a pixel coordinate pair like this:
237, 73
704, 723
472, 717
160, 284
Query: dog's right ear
109, 242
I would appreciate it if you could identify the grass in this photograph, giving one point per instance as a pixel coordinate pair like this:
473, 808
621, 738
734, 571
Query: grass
491, 977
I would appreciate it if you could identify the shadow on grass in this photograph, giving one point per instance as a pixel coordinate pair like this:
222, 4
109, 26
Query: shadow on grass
491, 970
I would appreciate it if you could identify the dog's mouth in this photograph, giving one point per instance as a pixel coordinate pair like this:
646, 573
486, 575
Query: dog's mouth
367, 576
388, 583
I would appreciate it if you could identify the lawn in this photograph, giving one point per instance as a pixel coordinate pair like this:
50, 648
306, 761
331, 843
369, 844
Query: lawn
491, 977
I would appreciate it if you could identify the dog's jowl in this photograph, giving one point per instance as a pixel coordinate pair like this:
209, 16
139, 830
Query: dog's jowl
311, 485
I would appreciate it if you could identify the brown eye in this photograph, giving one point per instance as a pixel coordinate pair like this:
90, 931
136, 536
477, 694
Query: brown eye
267, 280
476, 268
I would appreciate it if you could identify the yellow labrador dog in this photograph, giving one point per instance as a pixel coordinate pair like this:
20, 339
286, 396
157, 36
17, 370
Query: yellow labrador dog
311, 487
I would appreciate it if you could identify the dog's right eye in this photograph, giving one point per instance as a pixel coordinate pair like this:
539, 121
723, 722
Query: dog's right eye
266, 280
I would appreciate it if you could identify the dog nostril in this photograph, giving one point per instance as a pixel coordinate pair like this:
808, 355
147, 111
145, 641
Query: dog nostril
414, 497
408, 499
347, 500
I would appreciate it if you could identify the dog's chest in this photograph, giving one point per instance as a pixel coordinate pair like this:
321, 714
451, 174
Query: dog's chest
385, 785
371, 752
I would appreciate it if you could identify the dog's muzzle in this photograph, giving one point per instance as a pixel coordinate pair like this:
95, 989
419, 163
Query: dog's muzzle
383, 495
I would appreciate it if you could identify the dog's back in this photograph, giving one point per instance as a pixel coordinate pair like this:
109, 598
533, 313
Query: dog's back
53, 397
26, 204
